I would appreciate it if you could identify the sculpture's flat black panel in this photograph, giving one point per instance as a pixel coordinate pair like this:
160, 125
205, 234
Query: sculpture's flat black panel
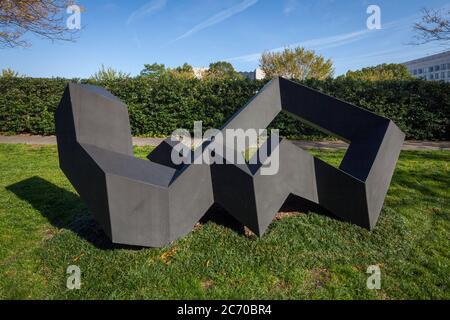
152, 203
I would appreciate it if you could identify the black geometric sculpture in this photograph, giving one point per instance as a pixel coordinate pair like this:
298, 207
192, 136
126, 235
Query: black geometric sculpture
137, 202
151, 203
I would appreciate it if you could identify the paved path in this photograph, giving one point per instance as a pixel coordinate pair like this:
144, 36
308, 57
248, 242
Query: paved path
409, 145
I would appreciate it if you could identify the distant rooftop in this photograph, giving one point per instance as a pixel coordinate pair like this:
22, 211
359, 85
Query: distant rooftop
430, 57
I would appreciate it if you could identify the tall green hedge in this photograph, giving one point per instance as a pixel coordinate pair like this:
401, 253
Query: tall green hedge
421, 109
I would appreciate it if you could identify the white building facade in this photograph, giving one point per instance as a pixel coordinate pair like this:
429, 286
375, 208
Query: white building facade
432, 68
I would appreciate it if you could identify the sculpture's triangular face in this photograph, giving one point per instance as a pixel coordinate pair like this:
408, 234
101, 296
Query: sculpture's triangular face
153, 203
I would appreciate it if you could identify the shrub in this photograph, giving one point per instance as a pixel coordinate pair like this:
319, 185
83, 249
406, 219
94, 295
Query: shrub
157, 107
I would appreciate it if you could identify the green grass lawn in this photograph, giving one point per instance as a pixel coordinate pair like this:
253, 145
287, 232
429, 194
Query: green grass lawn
44, 228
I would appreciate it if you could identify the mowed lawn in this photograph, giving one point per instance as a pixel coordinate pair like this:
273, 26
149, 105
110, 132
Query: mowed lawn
45, 227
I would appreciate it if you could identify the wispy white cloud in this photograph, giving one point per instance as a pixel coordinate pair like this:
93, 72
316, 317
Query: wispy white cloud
397, 55
332, 41
316, 44
218, 17
147, 9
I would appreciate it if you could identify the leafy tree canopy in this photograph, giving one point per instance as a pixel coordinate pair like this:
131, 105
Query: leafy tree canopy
154, 70
186, 71
108, 74
382, 72
296, 63
9, 73
222, 70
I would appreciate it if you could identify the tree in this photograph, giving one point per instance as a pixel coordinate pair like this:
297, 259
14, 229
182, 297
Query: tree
44, 18
107, 74
382, 72
296, 63
221, 70
186, 71
154, 71
434, 27
9, 73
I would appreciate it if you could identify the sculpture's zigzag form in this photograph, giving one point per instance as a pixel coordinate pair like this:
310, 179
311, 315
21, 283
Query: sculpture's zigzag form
152, 203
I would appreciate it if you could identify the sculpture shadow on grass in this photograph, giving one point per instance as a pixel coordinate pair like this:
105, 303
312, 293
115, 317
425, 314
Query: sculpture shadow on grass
65, 210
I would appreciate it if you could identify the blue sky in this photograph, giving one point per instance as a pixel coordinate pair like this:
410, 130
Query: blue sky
128, 34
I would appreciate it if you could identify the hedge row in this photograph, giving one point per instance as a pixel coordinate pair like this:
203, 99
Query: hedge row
421, 109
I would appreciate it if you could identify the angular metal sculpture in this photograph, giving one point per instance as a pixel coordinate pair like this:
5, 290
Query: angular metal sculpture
355, 192
137, 202
151, 203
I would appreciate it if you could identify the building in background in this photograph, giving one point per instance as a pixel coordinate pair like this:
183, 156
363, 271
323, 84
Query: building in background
199, 72
258, 74
432, 68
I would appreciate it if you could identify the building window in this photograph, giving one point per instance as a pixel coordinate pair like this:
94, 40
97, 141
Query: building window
436, 76
436, 68
420, 71
415, 72
430, 69
442, 75
431, 77
448, 74
444, 66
